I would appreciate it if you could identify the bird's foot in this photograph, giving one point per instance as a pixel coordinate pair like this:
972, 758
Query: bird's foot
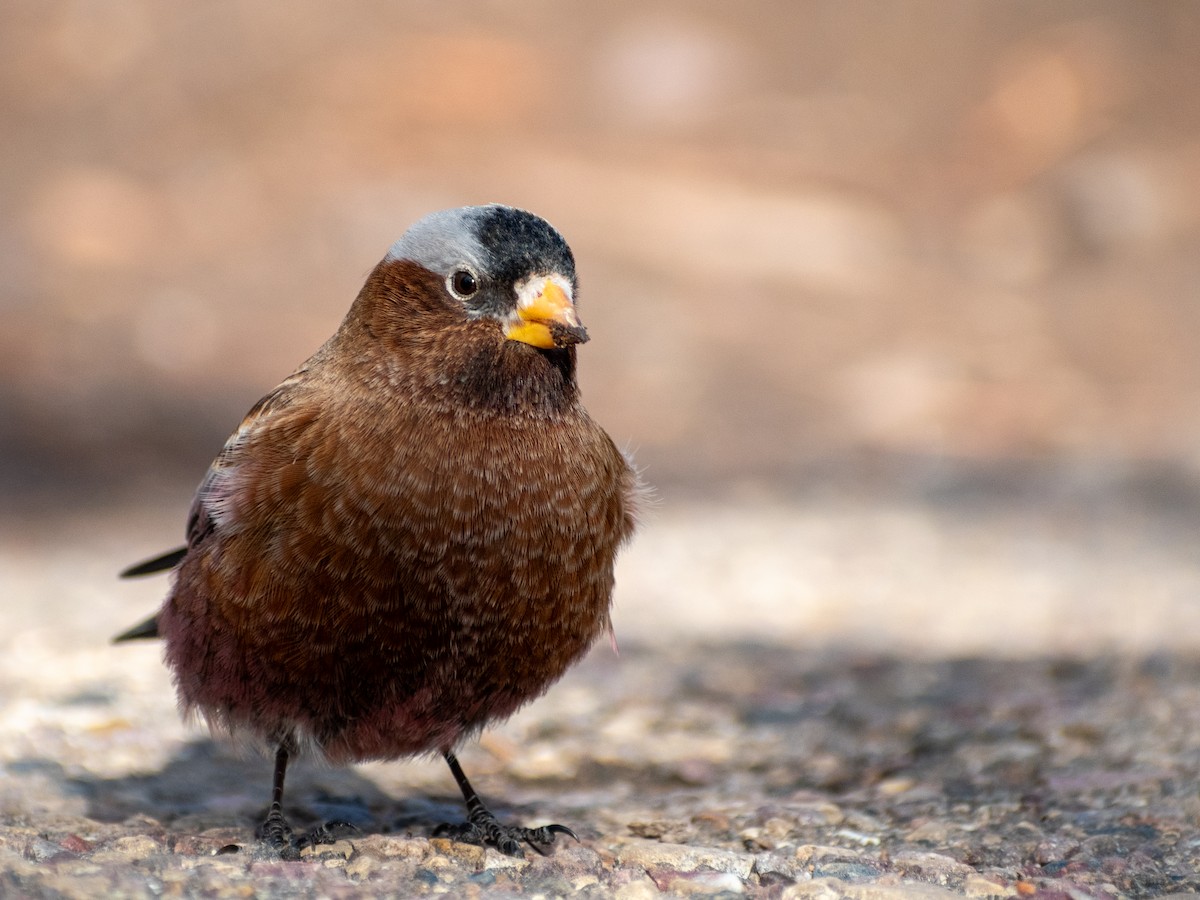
277, 834
485, 829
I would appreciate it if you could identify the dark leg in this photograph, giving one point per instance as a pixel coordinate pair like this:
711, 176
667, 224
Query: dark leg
482, 827
277, 834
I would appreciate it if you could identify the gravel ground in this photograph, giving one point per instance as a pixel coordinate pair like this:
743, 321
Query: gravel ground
822, 699
951, 240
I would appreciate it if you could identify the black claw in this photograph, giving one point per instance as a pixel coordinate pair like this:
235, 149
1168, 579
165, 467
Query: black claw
277, 834
328, 833
508, 839
541, 839
482, 827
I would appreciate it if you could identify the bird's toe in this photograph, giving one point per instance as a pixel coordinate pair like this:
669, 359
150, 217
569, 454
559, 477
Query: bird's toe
508, 839
327, 833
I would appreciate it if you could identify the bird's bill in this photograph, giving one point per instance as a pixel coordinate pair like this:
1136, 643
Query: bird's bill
546, 318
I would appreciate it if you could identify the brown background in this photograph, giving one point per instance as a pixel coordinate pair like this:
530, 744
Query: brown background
819, 242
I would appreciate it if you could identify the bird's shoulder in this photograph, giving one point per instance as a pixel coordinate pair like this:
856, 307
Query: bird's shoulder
266, 441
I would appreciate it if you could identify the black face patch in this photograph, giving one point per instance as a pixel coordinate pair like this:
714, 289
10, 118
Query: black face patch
519, 244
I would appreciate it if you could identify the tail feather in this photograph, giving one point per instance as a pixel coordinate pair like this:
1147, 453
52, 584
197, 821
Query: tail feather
158, 564
147, 629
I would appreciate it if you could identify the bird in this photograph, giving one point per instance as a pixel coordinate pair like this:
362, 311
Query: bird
414, 534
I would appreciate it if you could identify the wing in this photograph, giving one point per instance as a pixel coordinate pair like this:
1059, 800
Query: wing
212, 500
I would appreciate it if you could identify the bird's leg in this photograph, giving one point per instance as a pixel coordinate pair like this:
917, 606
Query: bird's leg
482, 826
277, 834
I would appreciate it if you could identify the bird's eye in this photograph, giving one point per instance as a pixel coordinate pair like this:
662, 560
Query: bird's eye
463, 284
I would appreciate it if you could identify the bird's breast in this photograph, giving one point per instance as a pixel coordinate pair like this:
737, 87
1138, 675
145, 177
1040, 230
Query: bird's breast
430, 576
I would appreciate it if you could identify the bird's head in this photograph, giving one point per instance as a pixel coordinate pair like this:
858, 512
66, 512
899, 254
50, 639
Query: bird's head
494, 265
478, 300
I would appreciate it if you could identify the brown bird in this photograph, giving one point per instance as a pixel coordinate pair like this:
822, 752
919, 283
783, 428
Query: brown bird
414, 534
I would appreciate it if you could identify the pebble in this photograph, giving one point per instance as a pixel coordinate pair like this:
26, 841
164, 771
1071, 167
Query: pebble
680, 857
935, 831
980, 886
935, 867
360, 867
807, 854
778, 863
638, 889
698, 883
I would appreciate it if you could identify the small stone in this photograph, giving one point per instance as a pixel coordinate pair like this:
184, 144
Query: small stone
495, 860
807, 854
128, 849
360, 868
934, 866
681, 857
75, 844
778, 863
862, 870
641, 889
426, 876
41, 850
713, 820
934, 831
754, 839
814, 814
1054, 849
468, 854
777, 828
225, 865
579, 882
697, 882
981, 886
817, 889
859, 837
484, 878
891, 787
398, 847
340, 849
652, 830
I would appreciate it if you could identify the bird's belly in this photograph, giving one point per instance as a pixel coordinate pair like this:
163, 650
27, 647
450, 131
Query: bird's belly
361, 665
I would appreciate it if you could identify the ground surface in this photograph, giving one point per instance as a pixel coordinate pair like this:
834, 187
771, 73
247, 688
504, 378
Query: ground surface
896, 303
1014, 711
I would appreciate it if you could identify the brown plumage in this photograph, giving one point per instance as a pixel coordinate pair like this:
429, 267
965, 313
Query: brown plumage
414, 534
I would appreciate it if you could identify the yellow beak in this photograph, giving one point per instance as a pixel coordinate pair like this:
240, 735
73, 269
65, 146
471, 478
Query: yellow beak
546, 319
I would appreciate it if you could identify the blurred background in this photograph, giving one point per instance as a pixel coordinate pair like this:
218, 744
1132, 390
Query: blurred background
897, 304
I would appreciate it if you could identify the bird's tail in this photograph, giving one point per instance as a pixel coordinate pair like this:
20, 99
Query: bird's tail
147, 629
158, 564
